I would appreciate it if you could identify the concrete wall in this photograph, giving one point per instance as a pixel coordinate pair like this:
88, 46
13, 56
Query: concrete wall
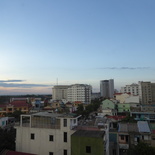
41, 144
78, 145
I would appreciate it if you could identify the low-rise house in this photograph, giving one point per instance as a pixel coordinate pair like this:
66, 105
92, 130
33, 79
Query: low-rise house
7, 122
20, 105
108, 107
132, 99
123, 107
121, 97
88, 142
130, 134
55, 104
152, 128
46, 133
143, 112
37, 104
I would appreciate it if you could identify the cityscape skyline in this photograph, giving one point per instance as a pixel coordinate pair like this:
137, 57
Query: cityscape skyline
71, 42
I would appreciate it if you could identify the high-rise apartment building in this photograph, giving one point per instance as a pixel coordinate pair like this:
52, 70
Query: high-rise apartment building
133, 89
72, 93
147, 92
107, 88
59, 92
79, 92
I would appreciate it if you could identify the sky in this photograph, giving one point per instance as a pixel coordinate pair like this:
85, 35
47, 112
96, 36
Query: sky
49, 42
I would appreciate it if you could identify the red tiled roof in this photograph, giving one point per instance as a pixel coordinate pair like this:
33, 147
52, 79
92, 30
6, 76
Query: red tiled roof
116, 117
3, 105
19, 103
16, 104
117, 93
153, 131
77, 102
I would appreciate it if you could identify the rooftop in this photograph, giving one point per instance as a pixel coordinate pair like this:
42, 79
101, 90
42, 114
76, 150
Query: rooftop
128, 127
143, 126
53, 114
88, 133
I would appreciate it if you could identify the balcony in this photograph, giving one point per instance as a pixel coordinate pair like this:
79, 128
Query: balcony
124, 146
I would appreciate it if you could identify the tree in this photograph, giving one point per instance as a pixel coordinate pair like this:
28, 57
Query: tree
16, 114
7, 139
128, 119
141, 149
89, 108
80, 109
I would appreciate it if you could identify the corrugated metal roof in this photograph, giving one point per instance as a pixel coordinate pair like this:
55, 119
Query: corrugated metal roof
128, 127
143, 126
123, 127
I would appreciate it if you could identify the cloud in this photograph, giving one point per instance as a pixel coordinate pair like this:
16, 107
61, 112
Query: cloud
17, 84
124, 68
11, 81
22, 85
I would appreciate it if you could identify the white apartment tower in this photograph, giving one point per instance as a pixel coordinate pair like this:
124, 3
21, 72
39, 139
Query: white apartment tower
59, 92
107, 88
145, 91
133, 89
79, 92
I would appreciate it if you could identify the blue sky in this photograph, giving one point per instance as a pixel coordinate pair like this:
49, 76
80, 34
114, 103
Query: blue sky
75, 41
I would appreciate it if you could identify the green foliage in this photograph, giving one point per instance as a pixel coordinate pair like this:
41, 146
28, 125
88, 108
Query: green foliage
16, 114
141, 149
80, 109
128, 119
89, 108
4, 99
7, 139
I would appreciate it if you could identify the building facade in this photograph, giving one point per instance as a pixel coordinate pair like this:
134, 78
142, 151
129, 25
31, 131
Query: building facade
147, 92
133, 89
79, 92
88, 142
107, 88
15, 105
59, 92
45, 133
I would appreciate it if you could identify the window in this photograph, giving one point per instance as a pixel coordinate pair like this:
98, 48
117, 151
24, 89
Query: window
65, 122
50, 153
9, 109
88, 149
65, 152
122, 137
65, 136
50, 137
32, 136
